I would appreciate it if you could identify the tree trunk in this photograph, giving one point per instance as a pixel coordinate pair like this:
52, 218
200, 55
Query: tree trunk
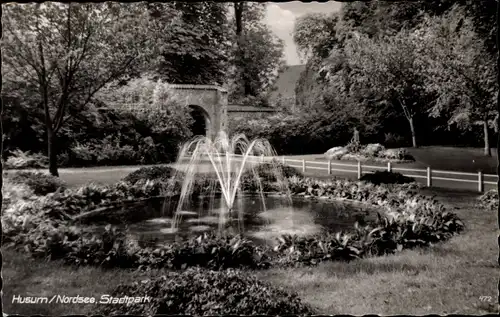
52, 151
487, 148
413, 135
238, 17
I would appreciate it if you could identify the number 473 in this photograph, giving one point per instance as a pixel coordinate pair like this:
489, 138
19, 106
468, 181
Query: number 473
485, 298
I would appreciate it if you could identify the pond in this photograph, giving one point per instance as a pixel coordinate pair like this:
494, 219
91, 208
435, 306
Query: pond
151, 222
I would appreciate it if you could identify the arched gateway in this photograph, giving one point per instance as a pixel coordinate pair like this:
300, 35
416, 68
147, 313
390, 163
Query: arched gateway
208, 105
210, 110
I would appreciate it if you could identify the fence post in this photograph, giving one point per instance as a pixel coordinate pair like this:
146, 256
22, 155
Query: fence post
360, 172
389, 167
329, 167
283, 159
429, 177
304, 166
480, 181
262, 157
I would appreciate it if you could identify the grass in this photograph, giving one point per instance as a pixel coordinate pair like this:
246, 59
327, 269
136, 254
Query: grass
447, 278
469, 160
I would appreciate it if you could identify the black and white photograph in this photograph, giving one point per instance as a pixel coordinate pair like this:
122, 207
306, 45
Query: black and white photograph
250, 158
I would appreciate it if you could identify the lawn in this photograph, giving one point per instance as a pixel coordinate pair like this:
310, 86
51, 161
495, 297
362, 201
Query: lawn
470, 160
447, 278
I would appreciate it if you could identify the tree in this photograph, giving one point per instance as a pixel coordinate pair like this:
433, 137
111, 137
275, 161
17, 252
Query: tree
61, 55
193, 40
390, 68
257, 56
461, 72
315, 35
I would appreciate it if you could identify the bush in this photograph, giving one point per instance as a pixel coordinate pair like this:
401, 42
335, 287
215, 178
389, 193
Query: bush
110, 151
267, 173
40, 183
72, 202
200, 292
385, 177
397, 154
372, 150
354, 151
336, 153
13, 192
19, 160
156, 173
489, 200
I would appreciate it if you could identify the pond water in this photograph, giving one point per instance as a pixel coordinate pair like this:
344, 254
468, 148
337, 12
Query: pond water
152, 222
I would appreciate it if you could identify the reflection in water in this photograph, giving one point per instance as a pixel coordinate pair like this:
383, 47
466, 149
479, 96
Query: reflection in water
305, 217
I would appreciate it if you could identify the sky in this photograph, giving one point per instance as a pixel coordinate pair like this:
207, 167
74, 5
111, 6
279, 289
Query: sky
281, 17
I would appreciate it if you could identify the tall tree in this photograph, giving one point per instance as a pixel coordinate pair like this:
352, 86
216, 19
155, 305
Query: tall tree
257, 55
460, 73
315, 35
61, 55
391, 68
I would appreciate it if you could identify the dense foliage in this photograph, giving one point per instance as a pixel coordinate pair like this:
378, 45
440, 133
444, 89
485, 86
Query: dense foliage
40, 183
201, 292
297, 134
156, 173
377, 63
90, 97
20, 160
375, 151
100, 135
45, 227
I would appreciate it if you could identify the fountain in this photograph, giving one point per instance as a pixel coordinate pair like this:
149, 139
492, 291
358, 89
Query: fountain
218, 187
228, 159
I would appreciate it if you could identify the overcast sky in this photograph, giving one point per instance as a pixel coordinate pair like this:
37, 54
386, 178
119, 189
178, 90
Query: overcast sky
281, 18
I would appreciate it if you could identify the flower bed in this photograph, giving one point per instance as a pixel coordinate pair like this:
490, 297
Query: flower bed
40, 226
373, 152
201, 292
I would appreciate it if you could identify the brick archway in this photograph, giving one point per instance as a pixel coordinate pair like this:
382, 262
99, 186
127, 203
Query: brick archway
211, 99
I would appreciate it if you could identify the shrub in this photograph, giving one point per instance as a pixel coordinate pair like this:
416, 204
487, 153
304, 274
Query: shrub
336, 153
372, 150
156, 173
201, 292
297, 251
13, 192
40, 183
20, 160
354, 151
489, 200
397, 154
267, 173
65, 205
385, 177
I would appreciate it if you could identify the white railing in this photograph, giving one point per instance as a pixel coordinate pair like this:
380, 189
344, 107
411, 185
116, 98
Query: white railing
359, 170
